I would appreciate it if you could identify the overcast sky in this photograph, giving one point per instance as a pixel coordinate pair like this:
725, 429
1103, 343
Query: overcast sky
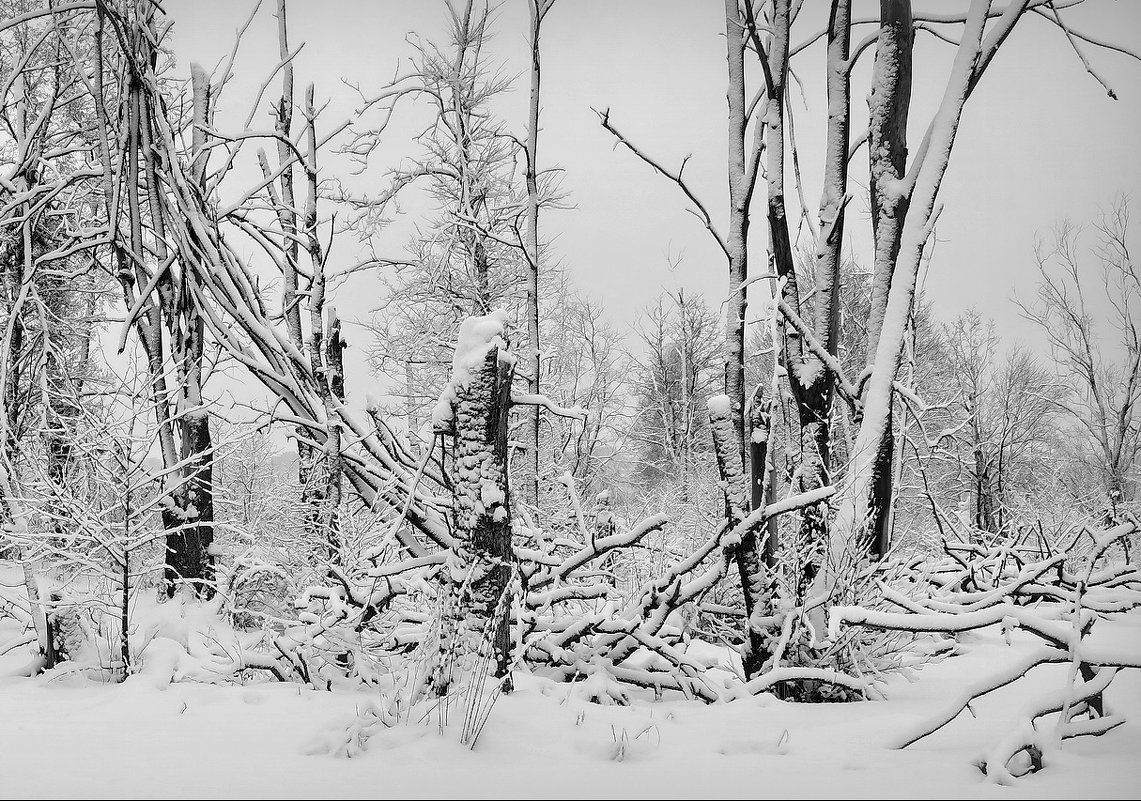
1040, 139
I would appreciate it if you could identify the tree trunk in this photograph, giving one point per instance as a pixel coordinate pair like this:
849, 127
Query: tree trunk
178, 562
855, 501
811, 382
322, 495
531, 414
761, 479
736, 243
190, 553
477, 574
329, 520
287, 218
755, 586
879, 524
887, 153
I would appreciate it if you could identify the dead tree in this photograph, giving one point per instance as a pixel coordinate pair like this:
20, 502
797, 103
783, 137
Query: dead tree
474, 409
137, 152
322, 491
286, 207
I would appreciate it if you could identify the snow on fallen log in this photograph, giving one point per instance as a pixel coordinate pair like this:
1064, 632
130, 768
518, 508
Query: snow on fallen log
617, 634
773, 677
1043, 599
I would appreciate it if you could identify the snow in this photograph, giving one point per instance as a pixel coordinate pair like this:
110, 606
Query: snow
719, 405
542, 400
179, 727
151, 739
893, 189
808, 371
490, 494
477, 335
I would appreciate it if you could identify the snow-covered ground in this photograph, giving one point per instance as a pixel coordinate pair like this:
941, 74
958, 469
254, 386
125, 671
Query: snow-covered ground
62, 739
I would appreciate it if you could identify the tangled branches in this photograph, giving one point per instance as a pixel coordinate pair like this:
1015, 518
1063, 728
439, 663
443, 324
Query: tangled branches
975, 587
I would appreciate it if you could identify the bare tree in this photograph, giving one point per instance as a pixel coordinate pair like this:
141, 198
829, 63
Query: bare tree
984, 30
673, 380
1007, 412
585, 366
1092, 321
538, 10
469, 259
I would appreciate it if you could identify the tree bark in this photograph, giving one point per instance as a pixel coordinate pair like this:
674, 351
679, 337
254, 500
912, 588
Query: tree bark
190, 555
477, 572
538, 10
887, 153
970, 60
737, 240
755, 586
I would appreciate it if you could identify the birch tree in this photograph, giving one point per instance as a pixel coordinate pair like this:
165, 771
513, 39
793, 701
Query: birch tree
538, 12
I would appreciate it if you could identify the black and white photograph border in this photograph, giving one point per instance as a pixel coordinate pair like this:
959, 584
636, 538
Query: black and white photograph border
570, 398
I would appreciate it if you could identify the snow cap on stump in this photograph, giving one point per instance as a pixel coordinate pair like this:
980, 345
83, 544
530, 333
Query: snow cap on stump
476, 337
719, 406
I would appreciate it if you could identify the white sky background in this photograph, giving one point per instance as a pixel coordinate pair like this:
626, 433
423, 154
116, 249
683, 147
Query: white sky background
1040, 140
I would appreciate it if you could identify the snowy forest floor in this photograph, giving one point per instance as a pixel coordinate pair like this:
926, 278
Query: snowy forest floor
63, 739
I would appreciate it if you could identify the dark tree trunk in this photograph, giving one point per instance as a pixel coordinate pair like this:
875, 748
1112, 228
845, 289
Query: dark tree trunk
746, 554
761, 483
330, 515
189, 552
478, 569
887, 149
879, 527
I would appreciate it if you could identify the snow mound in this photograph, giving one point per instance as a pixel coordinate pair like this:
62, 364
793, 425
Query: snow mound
719, 405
